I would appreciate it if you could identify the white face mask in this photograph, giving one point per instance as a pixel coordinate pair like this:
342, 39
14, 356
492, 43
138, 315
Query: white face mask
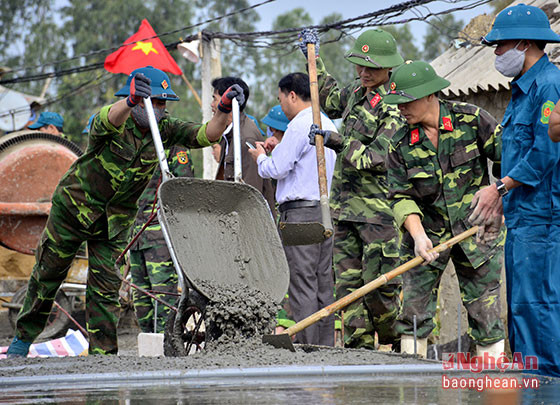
510, 63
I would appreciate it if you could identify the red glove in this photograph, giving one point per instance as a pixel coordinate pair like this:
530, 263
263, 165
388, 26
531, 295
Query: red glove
232, 92
139, 88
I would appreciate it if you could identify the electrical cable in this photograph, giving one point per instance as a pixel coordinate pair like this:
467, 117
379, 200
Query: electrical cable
279, 39
114, 48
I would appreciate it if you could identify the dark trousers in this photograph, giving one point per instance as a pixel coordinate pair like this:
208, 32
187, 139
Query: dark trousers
311, 280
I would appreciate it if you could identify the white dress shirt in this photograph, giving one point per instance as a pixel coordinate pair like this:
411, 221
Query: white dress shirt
293, 162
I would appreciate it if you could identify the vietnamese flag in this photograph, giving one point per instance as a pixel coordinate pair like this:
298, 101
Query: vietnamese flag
140, 52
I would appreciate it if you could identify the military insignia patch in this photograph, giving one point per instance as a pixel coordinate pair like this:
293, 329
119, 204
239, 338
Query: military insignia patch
414, 136
393, 86
164, 85
365, 49
182, 157
546, 110
375, 100
447, 124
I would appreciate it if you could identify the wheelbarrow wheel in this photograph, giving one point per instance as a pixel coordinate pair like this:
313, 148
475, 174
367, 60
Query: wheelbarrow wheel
185, 329
58, 322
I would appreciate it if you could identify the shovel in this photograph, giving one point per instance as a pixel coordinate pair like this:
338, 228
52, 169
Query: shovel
308, 233
284, 340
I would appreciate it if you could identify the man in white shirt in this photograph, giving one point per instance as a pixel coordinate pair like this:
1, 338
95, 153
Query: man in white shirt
293, 163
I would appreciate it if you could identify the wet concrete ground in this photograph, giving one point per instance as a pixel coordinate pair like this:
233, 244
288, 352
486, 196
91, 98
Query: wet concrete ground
247, 372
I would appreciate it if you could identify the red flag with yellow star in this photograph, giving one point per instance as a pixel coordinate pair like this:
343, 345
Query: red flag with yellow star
142, 49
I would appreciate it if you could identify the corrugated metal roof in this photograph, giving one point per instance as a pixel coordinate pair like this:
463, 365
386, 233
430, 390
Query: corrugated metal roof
471, 70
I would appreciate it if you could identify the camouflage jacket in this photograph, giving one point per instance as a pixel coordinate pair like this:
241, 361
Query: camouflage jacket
359, 188
180, 165
439, 184
118, 163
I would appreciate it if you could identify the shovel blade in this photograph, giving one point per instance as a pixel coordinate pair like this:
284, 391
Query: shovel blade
280, 341
302, 233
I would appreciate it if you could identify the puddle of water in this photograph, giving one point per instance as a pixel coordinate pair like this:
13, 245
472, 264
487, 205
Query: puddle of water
395, 389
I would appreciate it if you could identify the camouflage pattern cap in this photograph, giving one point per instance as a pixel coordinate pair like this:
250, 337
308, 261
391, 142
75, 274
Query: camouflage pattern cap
412, 81
376, 49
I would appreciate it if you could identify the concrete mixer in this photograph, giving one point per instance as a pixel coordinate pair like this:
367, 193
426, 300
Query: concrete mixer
31, 165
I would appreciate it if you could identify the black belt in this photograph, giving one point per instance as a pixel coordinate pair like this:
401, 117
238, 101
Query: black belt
288, 205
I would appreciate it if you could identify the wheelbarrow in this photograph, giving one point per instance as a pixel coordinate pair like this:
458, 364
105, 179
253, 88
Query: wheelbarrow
217, 233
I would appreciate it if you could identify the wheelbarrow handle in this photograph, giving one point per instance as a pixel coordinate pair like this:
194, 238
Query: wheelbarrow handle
237, 158
372, 285
319, 143
162, 158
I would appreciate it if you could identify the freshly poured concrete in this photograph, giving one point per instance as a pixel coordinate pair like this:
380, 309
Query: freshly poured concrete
223, 231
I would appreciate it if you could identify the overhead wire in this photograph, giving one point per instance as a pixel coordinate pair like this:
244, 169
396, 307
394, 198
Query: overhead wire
115, 47
274, 39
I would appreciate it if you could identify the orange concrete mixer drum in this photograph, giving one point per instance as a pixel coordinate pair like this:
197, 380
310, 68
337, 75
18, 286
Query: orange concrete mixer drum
31, 165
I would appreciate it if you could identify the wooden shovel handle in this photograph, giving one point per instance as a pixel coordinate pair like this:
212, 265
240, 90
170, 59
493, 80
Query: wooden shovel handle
319, 142
372, 285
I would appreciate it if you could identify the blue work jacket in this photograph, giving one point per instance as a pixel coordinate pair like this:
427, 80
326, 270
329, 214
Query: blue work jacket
528, 154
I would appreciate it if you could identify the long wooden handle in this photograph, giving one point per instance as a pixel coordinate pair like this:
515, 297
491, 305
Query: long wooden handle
319, 143
372, 285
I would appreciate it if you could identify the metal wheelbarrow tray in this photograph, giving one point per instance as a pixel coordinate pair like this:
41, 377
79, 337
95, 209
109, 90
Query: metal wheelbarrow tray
223, 233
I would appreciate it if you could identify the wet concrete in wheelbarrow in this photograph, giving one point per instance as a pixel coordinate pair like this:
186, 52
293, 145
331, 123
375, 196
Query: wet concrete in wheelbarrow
236, 312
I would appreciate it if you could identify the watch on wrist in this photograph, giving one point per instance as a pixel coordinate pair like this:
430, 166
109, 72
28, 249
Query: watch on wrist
501, 187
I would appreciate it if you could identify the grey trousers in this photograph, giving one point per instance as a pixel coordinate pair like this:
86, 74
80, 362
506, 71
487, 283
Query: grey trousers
311, 280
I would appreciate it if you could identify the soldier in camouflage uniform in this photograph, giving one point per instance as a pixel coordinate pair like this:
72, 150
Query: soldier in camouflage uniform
96, 201
436, 163
151, 267
365, 240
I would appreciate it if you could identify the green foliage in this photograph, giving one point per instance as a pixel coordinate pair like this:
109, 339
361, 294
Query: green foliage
335, 45
405, 41
442, 31
43, 31
499, 5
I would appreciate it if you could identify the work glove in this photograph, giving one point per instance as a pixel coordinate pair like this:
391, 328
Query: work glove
139, 88
232, 92
308, 36
422, 245
332, 140
315, 130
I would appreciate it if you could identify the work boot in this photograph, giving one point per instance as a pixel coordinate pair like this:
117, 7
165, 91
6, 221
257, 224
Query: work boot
407, 345
494, 350
18, 348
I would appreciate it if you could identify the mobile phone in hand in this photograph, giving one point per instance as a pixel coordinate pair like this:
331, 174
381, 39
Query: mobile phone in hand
250, 145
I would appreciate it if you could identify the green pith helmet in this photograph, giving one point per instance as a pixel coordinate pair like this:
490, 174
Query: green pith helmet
375, 49
412, 81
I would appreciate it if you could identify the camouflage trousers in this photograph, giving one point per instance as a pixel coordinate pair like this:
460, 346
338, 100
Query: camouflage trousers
59, 244
361, 254
153, 270
480, 293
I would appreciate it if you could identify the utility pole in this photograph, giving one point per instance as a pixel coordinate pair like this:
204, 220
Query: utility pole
211, 69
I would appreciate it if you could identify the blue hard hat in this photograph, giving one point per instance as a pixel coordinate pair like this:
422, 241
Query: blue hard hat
521, 22
88, 126
276, 119
161, 87
46, 118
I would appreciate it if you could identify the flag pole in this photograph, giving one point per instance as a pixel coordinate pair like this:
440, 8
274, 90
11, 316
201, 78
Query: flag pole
195, 94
